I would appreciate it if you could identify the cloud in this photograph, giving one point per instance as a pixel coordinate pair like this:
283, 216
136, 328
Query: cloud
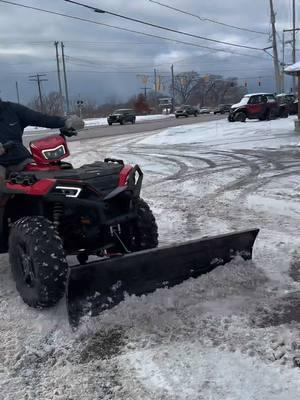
105, 62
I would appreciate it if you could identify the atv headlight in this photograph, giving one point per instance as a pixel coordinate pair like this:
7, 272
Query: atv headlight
68, 191
54, 154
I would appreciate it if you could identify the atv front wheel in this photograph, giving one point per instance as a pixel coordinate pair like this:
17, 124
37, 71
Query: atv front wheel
37, 261
143, 233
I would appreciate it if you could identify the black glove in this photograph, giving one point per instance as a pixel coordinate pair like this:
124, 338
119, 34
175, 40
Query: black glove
9, 145
68, 132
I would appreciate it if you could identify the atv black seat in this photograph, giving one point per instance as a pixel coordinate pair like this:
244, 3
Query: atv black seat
100, 175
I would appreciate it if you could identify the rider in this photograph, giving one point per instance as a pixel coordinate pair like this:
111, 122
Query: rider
13, 119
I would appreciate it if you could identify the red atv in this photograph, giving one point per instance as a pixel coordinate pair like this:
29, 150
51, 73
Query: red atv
262, 106
51, 210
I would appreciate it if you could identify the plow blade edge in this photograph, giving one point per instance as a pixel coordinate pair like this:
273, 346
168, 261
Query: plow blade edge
100, 285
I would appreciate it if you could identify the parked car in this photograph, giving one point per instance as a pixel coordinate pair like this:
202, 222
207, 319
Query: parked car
121, 116
290, 102
222, 109
186, 111
295, 107
204, 110
262, 106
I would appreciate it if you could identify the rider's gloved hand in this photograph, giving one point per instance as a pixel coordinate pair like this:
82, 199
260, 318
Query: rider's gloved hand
5, 147
68, 132
74, 122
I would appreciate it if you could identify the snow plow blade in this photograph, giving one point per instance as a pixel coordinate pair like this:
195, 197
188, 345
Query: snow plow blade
101, 285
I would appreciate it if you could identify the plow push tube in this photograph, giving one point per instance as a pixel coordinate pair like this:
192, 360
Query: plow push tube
97, 286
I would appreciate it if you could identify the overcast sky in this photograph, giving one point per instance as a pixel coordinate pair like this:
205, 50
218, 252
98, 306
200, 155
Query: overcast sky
104, 62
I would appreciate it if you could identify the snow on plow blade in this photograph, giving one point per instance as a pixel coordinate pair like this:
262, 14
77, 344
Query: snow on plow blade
97, 286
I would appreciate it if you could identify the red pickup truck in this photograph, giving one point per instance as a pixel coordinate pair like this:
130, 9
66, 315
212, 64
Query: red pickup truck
262, 106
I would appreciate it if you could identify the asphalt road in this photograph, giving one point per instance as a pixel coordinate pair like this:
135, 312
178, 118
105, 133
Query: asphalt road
139, 127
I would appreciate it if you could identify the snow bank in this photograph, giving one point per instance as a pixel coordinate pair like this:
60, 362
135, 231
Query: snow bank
228, 135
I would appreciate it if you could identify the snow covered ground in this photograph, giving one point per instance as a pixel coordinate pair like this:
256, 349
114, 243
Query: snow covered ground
90, 122
230, 335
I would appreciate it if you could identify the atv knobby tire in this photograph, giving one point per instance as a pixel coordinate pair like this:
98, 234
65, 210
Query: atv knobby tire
143, 232
37, 261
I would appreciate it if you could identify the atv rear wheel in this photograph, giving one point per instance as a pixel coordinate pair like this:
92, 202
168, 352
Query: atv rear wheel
37, 261
143, 233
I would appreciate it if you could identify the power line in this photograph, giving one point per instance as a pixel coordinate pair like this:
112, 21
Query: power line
208, 19
93, 62
139, 21
129, 30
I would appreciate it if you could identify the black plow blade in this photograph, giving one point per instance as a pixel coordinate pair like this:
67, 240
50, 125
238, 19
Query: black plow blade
100, 285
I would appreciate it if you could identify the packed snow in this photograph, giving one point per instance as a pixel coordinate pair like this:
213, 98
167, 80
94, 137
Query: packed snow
230, 335
92, 122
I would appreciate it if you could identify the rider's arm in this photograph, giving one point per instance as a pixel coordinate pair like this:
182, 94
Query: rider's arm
30, 117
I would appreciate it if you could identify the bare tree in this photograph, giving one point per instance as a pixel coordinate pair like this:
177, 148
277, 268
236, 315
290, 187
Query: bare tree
185, 84
52, 102
211, 90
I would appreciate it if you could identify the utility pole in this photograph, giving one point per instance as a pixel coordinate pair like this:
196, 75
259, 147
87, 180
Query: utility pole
145, 90
37, 78
155, 88
173, 88
65, 79
274, 45
283, 64
58, 69
294, 43
144, 79
18, 94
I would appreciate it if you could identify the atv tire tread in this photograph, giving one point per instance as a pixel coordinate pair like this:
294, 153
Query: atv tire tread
144, 231
45, 249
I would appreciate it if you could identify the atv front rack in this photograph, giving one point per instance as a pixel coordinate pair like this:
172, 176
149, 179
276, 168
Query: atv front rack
101, 285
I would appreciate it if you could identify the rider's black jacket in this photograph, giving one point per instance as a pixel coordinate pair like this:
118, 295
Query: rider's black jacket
13, 119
